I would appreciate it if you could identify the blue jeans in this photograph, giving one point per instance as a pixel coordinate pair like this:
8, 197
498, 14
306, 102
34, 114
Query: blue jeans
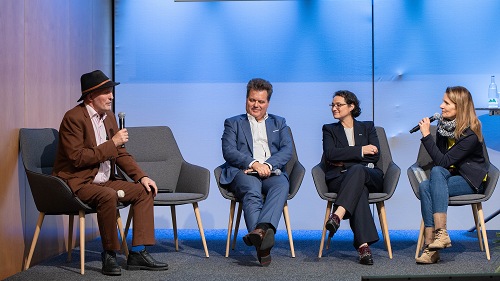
434, 193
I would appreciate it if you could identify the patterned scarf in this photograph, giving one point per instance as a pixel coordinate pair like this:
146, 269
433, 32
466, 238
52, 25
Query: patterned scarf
446, 128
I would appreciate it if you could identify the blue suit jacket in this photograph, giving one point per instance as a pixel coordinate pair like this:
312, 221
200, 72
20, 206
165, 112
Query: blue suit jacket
237, 145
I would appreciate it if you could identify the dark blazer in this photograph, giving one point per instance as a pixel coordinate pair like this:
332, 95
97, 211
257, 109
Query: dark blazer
336, 148
78, 156
466, 155
237, 145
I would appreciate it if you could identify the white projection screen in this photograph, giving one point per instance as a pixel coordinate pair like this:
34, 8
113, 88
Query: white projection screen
186, 65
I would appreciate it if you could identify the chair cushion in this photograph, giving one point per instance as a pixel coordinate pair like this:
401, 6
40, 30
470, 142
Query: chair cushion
373, 197
466, 199
177, 198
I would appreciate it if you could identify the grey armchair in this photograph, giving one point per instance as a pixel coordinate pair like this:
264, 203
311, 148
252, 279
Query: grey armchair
295, 172
391, 177
52, 195
420, 171
179, 182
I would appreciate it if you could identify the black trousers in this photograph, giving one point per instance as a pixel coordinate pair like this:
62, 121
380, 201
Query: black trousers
352, 189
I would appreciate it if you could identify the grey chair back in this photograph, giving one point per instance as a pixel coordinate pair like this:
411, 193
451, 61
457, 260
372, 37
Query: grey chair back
157, 153
51, 194
38, 149
424, 161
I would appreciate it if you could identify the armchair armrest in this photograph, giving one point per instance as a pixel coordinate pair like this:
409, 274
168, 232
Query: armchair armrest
53, 196
296, 177
319, 180
491, 181
416, 175
391, 179
193, 179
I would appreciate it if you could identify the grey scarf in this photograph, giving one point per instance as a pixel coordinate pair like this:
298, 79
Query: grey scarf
446, 128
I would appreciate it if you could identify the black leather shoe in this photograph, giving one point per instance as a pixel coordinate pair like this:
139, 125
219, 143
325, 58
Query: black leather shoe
143, 260
365, 255
332, 224
109, 264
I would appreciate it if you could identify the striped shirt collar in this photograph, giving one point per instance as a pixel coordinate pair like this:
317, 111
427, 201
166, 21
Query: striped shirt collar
94, 114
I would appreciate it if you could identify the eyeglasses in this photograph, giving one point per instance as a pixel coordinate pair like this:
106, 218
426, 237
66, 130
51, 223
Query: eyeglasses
338, 105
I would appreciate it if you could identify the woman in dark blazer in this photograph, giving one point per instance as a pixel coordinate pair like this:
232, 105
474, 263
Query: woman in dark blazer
351, 152
460, 167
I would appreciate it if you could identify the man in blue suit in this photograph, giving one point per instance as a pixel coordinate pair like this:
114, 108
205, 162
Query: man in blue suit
255, 146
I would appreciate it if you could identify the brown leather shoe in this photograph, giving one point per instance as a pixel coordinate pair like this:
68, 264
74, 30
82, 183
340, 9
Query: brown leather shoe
260, 239
264, 257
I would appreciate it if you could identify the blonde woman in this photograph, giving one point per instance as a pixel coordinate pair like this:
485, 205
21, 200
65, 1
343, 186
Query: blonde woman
460, 167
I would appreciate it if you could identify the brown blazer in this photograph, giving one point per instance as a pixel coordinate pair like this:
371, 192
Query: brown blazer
78, 156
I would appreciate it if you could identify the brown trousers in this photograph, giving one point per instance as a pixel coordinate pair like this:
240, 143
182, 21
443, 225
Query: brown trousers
103, 197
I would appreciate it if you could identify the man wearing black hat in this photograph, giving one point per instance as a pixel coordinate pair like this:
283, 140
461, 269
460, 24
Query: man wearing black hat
90, 144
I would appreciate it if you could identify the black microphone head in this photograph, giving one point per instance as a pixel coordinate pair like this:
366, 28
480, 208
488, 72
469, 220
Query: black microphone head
277, 172
436, 116
121, 114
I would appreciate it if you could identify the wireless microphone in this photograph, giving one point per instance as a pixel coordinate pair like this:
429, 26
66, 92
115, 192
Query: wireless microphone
120, 193
432, 118
276, 172
121, 122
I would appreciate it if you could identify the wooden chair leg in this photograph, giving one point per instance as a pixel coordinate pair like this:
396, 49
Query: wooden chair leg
35, 238
383, 224
476, 221
483, 229
237, 224
420, 241
122, 234
81, 216
286, 216
127, 226
70, 235
200, 227
328, 211
230, 226
174, 227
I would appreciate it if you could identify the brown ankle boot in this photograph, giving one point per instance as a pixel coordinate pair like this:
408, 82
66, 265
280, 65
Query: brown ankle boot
439, 220
441, 240
428, 256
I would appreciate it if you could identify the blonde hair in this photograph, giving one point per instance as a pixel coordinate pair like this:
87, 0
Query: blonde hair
466, 114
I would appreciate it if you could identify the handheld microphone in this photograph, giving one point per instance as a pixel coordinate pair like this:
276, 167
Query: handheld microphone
276, 172
432, 118
121, 122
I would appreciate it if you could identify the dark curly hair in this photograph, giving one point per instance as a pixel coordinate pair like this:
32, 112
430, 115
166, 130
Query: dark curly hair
350, 98
259, 84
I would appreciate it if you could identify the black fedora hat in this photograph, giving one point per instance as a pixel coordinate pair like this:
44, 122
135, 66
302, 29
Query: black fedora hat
93, 81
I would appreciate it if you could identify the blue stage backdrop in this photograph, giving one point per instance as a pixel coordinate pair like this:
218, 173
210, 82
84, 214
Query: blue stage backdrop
186, 65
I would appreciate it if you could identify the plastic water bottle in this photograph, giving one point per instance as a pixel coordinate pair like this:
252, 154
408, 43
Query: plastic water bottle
492, 93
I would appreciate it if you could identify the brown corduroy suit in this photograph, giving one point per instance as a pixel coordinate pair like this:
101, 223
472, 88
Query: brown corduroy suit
77, 163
